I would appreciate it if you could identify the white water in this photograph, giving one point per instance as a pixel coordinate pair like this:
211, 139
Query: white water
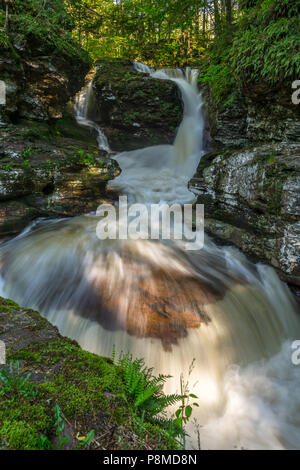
247, 386
161, 173
83, 101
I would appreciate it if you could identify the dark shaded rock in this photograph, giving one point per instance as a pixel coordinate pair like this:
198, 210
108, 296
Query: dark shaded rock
257, 115
51, 171
134, 109
250, 184
39, 82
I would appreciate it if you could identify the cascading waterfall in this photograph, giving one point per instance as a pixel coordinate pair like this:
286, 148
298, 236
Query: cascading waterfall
236, 320
82, 103
161, 173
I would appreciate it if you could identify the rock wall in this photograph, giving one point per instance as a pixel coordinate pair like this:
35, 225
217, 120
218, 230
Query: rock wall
39, 82
49, 166
49, 171
250, 184
134, 109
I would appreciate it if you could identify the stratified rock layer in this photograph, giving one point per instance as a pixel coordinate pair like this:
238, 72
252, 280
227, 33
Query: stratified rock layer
50, 171
250, 186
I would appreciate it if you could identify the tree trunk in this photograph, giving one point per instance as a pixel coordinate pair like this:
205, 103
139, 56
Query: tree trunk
217, 15
228, 12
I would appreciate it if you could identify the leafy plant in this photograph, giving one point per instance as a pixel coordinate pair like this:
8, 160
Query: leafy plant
26, 165
143, 391
87, 440
13, 382
184, 412
6, 167
44, 442
60, 428
27, 153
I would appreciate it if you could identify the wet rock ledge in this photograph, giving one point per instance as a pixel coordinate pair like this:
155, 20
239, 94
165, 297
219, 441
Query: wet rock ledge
49, 170
134, 109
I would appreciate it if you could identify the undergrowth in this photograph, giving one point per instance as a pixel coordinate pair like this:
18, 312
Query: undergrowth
262, 47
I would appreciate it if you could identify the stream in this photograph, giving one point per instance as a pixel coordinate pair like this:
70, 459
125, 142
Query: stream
223, 323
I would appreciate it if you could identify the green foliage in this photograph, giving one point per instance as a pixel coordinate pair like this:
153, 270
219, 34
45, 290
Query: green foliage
88, 389
42, 20
13, 383
87, 440
184, 413
157, 32
27, 153
263, 48
60, 428
89, 159
44, 442
22, 417
220, 79
143, 391
4, 40
270, 52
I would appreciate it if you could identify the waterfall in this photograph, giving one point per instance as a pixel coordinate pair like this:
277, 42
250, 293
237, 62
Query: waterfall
161, 173
234, 320
82, 105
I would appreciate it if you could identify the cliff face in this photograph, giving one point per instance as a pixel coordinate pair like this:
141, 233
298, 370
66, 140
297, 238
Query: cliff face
250, 184
50, 171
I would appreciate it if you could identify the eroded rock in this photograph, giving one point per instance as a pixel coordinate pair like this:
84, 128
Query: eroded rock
39, 82
251, 198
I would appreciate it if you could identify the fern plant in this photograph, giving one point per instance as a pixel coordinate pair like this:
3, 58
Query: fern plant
143, 391
145, 397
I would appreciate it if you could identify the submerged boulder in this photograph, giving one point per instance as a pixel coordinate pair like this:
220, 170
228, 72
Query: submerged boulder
134, 109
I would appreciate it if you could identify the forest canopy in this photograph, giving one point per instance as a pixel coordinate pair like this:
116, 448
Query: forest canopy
234, 43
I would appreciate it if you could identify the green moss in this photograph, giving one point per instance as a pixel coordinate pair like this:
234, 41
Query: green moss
18, 435
81, 378
88, 389
82, 384
21, 422
7, 305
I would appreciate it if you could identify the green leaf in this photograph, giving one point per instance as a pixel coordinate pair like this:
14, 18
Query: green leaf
188, 411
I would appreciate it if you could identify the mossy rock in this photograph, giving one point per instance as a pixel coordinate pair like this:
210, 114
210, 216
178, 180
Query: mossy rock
135, 109
50, 170
89, 390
